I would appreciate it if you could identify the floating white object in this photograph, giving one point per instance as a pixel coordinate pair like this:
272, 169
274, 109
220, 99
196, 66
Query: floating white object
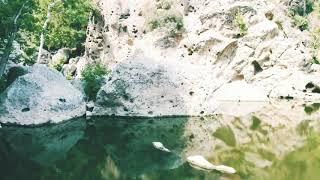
160, 146
225, 169
200, 162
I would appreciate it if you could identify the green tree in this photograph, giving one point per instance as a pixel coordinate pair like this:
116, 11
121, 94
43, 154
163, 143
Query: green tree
10, 15
93, 78
67, 27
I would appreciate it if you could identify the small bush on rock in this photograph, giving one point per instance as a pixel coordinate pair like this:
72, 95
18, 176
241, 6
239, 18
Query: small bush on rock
173, 24
93, 79
167, 18
315, 43
299, 13
315, 46
57, 65
315, 60
301, 22
166, 5
240, 22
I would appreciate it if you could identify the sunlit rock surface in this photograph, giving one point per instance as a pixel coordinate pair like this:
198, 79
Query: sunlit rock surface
39, 96
186, 51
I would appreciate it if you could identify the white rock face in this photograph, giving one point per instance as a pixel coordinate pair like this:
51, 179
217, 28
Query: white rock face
241, 91
184, 57
143, 87
40, 96
62, 56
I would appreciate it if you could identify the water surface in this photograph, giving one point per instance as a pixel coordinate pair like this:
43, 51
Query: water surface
269, 141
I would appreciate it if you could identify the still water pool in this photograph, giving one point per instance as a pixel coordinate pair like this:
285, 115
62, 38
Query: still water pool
269, 141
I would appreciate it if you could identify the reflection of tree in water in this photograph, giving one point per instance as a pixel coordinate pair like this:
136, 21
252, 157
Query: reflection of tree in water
109, 148
13, 165
123, 148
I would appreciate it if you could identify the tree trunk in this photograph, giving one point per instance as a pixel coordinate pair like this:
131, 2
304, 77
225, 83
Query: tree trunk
44, 28
10, 39
304, 7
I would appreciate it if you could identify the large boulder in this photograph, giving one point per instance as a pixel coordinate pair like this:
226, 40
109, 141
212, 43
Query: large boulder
144, 87
40, 96
61, 57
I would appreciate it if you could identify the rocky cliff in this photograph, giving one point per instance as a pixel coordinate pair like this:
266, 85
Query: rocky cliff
185, 57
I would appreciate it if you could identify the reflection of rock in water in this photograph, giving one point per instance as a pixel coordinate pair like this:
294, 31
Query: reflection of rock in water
27, 152
129, 142
254, 143
72, 148
45, 145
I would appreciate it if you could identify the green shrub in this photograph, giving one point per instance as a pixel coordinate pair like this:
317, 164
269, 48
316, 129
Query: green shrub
66, 28
154, 24
241, 24
301, 22
57, 65
166, 5
316, 39
172, 23
69, 76
93, 79
315, 60
301, 11
176, 20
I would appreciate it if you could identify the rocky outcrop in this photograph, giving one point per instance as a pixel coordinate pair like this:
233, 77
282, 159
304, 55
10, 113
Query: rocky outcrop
144, 87
62, 56
178, 58
40, 96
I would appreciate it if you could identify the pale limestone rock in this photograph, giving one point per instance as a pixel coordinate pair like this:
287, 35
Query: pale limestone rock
294, 86
62, 56
45, 57
263, 30
40, 96
240, 91
80, 66
315, 68
69, 69
206, 56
